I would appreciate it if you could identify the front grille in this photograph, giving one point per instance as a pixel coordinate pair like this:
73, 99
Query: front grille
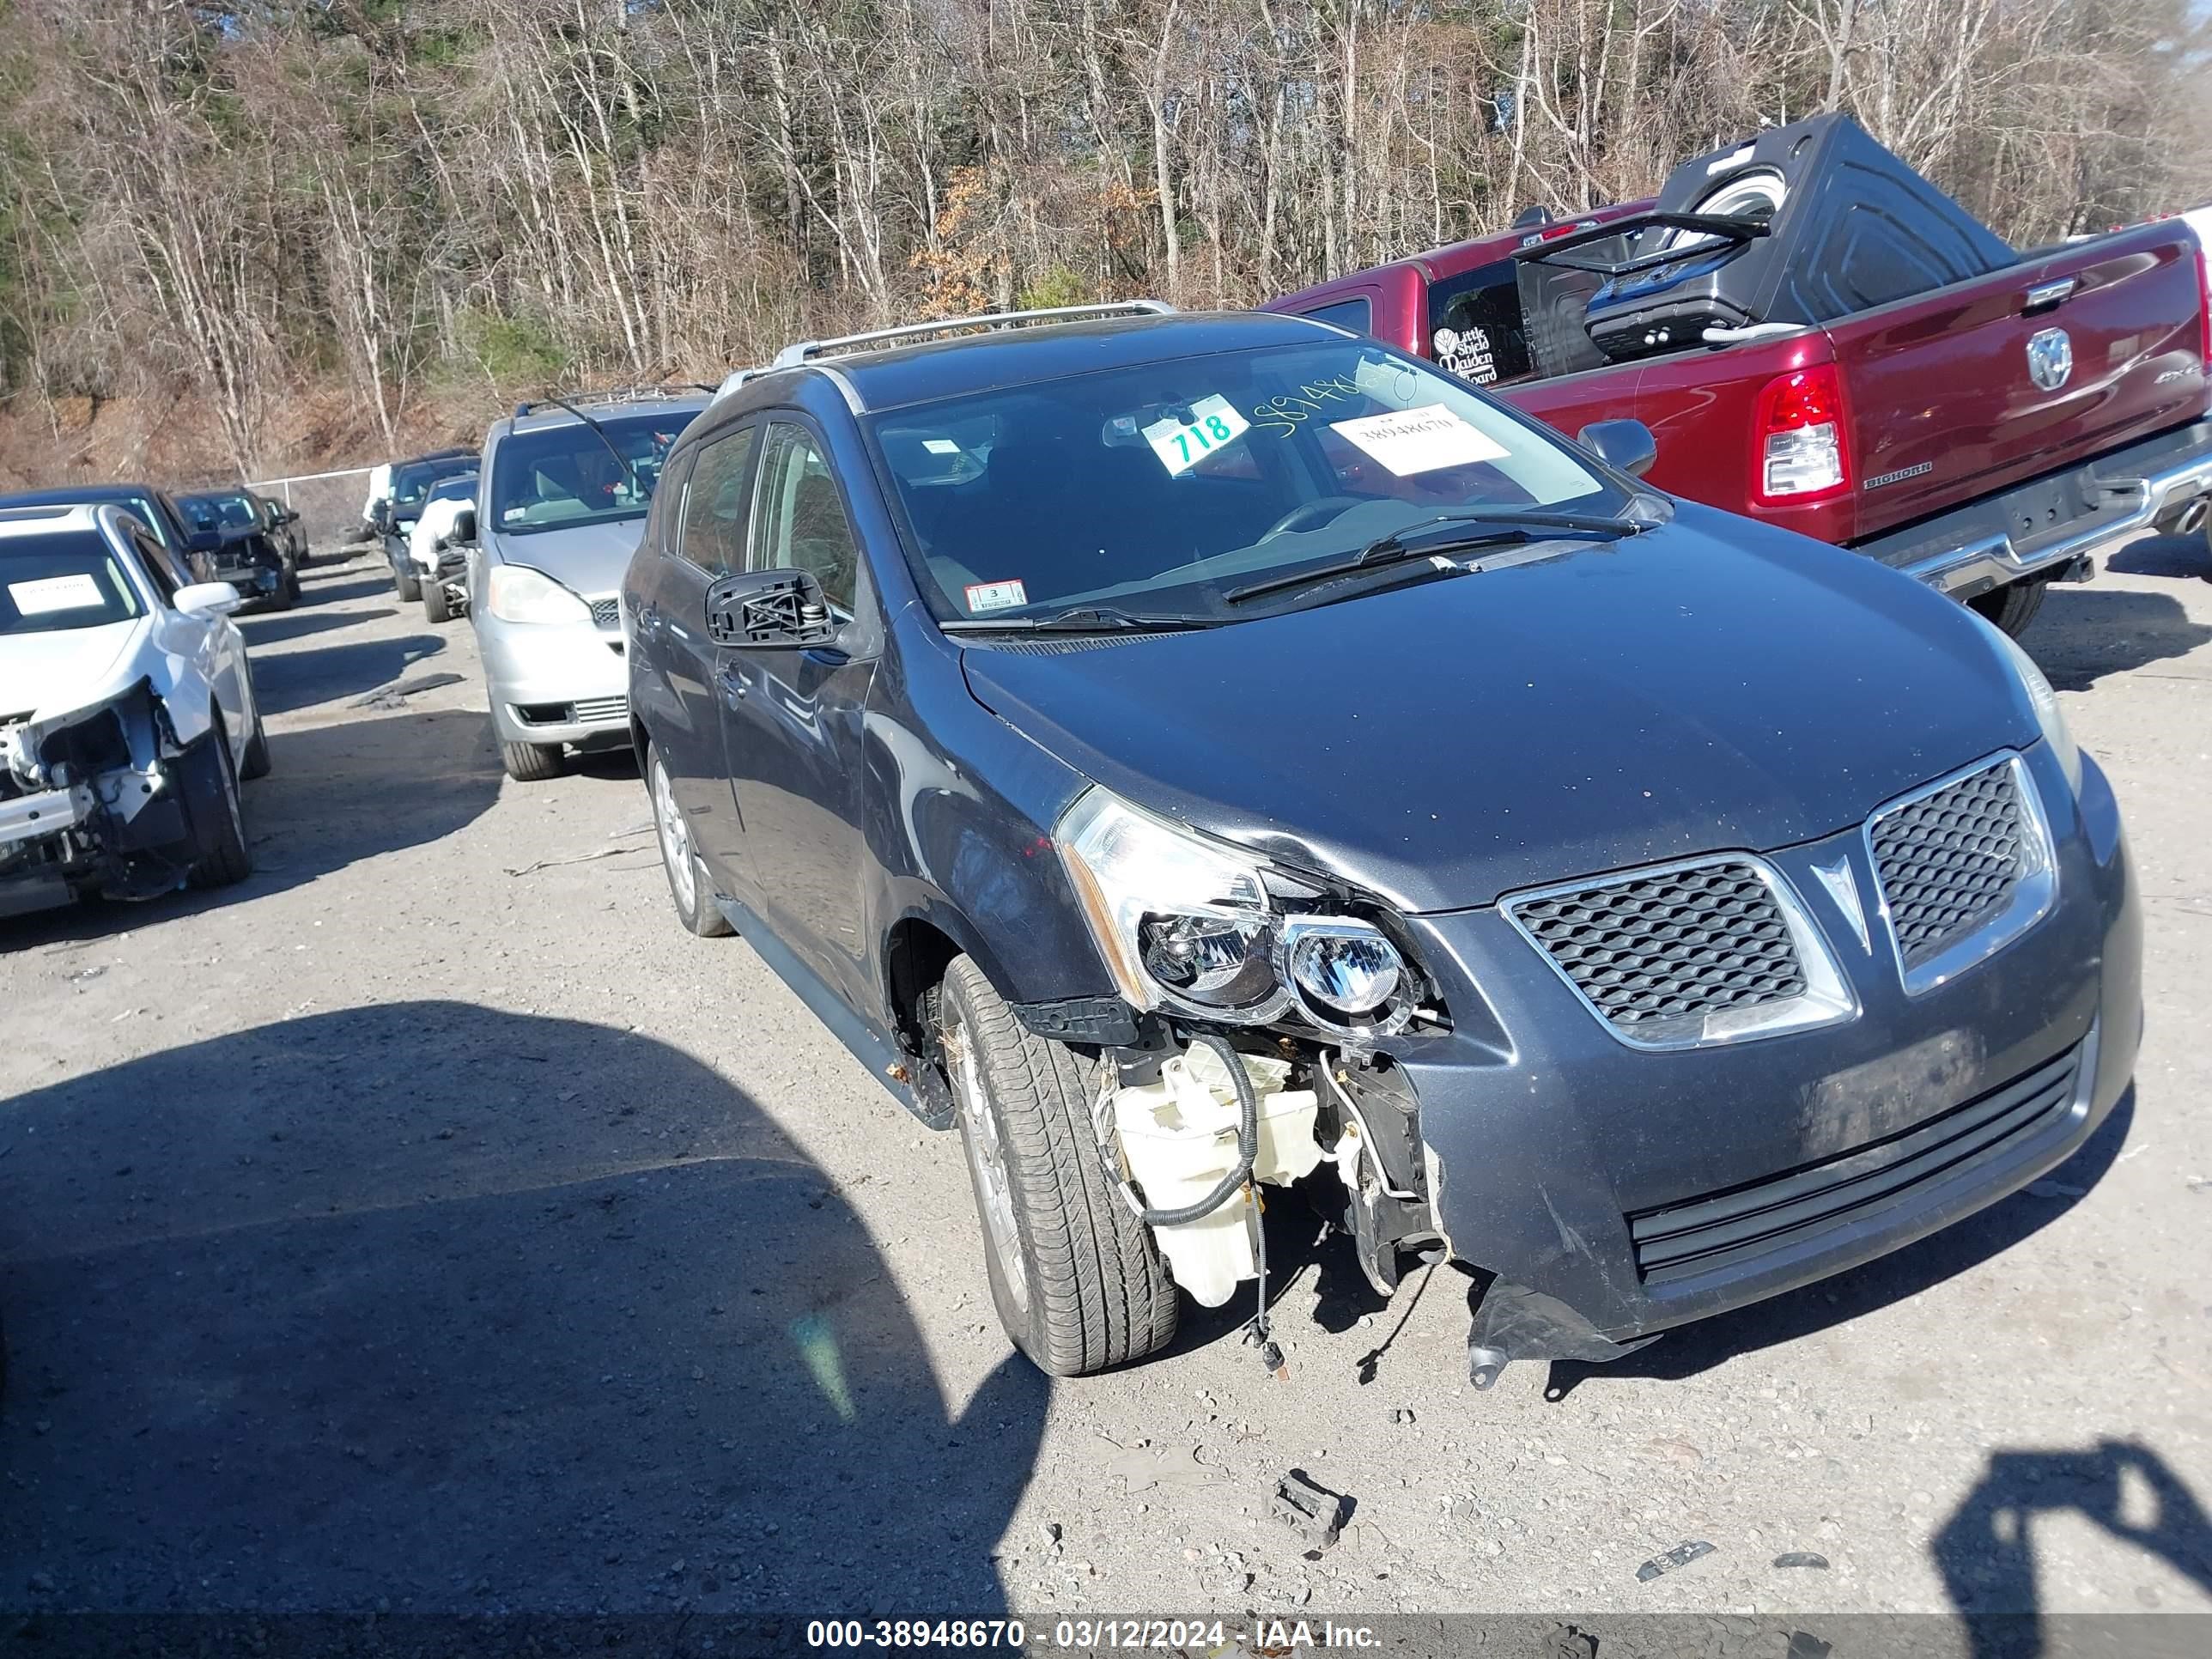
1654, 951
607, 613
1869, 1186
586, 711
1950, 860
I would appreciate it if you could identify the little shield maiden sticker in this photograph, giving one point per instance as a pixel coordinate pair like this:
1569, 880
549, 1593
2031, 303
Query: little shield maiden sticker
48, 594
1424, 439
1182, 445
993, 596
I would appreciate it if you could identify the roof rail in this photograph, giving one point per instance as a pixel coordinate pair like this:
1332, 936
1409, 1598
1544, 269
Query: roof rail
620, 394
806, 350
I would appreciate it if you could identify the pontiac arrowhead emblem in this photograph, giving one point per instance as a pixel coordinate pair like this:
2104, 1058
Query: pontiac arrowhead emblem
1843, 888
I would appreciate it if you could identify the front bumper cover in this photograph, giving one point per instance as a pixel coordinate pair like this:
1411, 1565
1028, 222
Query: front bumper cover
1558, 1144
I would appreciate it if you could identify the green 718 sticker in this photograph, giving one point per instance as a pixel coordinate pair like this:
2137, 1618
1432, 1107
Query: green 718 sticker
1182, 445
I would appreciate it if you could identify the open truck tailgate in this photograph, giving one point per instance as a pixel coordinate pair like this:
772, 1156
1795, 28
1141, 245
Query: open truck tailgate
1942, 389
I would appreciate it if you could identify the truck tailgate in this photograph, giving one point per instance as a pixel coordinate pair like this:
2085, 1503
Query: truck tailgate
1943, 403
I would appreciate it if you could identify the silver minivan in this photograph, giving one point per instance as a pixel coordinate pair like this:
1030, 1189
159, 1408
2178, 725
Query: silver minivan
563, 488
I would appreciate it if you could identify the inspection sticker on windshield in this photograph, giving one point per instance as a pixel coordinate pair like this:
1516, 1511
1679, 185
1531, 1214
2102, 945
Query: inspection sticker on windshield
1410, 440
1182, 445
993, 596
52, 593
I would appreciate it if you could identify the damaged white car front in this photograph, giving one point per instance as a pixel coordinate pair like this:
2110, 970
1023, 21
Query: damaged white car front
126, 717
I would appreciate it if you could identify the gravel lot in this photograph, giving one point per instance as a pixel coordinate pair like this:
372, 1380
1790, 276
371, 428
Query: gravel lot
430, 1224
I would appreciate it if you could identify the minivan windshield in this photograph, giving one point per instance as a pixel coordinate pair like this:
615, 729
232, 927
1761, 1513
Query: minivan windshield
558, 477
1173, 488
68, 579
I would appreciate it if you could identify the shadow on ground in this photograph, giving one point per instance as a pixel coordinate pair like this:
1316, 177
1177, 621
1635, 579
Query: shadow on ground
1691, 1349
2085, 633
266, 631
1986, 1550
448, 1310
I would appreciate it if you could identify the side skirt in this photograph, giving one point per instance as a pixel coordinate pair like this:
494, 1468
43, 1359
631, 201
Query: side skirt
869, 1044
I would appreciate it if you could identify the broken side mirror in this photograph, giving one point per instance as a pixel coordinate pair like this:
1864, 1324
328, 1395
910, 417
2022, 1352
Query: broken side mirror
1626, 445
769, 609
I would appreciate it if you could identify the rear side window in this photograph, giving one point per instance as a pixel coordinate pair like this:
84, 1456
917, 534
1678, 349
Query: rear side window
713, 533
1357, 313
1475, 326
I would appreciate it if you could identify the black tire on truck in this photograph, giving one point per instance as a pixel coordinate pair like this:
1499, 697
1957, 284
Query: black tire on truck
215, 809
435, 608
403, 581
1079, 1283
2012, 607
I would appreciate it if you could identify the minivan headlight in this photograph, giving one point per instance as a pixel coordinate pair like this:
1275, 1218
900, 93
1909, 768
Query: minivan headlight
2048, 714
516, 594
1188, 925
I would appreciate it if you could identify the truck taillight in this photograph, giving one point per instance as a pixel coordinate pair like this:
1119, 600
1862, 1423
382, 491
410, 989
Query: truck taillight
2199, 221
1799, 452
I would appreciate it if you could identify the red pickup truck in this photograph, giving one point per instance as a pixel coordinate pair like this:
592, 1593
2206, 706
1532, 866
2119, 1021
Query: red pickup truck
1986, 436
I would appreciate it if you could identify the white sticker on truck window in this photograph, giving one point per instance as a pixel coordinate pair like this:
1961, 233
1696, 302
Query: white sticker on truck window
1182, 445
1424, 439
940, 445
993, 596
51, 593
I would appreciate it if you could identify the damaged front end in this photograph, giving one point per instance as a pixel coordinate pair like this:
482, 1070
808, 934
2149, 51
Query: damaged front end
1255, 1039
89, 803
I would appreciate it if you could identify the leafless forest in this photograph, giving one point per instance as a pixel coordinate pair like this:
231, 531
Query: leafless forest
427, 200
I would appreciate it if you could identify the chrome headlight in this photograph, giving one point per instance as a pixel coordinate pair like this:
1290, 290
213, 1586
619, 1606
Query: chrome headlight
1188, 925
516, 594
2045, 701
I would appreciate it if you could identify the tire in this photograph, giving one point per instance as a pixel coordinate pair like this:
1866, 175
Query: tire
218, 811
256, 764
292, 584
531, 762
2012, 607
404, 582
689, 888
1079, 1283
435, 608
286, 596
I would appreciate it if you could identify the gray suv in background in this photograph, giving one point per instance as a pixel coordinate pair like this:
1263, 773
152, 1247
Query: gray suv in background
564, 489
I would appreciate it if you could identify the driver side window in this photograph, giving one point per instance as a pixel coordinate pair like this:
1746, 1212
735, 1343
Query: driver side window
800, 522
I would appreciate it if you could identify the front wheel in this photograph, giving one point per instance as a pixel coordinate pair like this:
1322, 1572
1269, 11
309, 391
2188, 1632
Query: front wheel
435, 608
404, 584
1079, 1283
530, 763
217, 811
688, 887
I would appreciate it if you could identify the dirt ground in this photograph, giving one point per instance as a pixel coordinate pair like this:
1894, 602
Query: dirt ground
430, 1224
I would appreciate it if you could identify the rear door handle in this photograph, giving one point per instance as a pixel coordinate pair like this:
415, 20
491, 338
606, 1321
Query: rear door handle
2044, 296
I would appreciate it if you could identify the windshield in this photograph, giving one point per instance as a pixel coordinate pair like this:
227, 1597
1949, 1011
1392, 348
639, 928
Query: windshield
561, 476
456, 489
411, 483
1166, 487
236, 511
65, 580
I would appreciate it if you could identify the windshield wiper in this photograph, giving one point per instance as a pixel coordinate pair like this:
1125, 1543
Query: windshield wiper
621, 460
1080, 619
1469, 530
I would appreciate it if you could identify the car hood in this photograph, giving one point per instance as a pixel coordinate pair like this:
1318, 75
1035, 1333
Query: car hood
589, 559
1713, 684
52, 673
